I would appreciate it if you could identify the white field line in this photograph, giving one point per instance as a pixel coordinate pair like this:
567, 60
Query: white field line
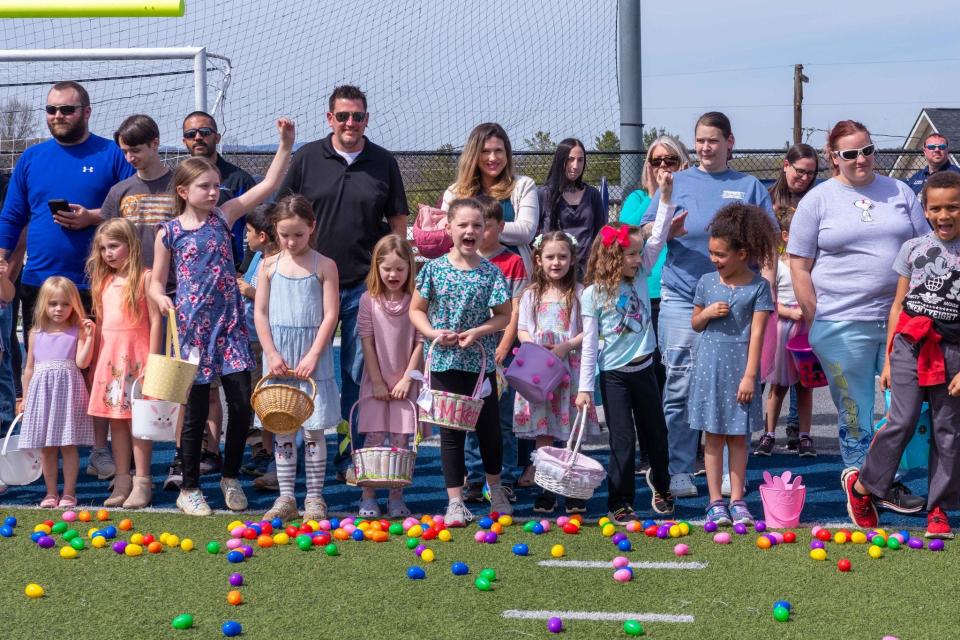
599, 564
596, 615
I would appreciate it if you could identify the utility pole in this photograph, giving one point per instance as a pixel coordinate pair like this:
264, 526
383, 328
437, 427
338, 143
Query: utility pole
798, 80
631, 85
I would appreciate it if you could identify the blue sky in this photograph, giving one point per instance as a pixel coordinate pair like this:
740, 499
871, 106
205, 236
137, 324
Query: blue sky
433, 68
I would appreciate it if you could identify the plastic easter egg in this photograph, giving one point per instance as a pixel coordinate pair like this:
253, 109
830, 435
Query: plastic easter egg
236, 580
444, 535
608, 530
120, 546
485, 522
663, 531
840, 537
893, 543
234, 543
520, 549
234, 597
186, 544
59, 528
331, 550
416, 573
783, 603
875, 552
396, 529
482, 584
650, 532
789, 537
235, 557
557, 551
69, 516
634, 526
33, 590
415, 531
760, 526
247, 551
528, 526
824, 534
489, 574
103, 515
99, 542
709, 527
571, 528
623, 575
554, 625
480, 536
430, 534
843, 564
624, 545
633, 628
133, 550
620, 562
915, 543
685, 528
818, 554
411, 543
125, 525
722, 538
36, 535
936, 545
740, 529
10, 521
427, 555
68, 553
357, 535
816, 544
70, 534
45, 529
490, 537
538, 528
858, 537
231, 628
681, 550
546, 524
675, 531
155, 547
879, 541
459, 569
781, 614
763, 542
182, 621
6, 531
77, 543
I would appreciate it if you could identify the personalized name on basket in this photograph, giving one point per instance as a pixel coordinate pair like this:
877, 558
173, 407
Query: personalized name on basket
452, 411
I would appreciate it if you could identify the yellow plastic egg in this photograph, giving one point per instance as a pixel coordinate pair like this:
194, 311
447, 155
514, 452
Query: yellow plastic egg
415, 531
133, 550
818, 554
363, 526
840, 537
68, 553
875, 552
186, 544
684, 528
99, 542
608, 530
858, 537
675, 531
33, 590
137, 538
281, 538
42, 527
91, 532
427, 555
505, 520
603, 521
557, 551
444, 536
233, 525
172, 541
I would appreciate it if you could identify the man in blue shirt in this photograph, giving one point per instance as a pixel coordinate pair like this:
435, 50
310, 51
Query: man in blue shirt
938, 159
78, 167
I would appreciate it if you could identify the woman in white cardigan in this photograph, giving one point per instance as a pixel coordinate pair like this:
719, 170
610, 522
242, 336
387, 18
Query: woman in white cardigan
486, 166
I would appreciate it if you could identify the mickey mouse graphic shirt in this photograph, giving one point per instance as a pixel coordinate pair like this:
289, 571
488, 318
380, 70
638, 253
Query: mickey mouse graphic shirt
933, 268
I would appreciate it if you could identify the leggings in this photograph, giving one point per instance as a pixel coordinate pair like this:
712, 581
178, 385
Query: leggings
488, 428
236, 389
315, 463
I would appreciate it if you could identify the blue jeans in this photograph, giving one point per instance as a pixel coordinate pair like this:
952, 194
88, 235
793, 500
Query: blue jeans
8, 393
677, 340
351, 364
852, 354
511, 470
793, 417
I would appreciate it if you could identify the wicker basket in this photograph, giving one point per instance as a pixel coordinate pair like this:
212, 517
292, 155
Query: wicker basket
567, 471
169, 377
282, 408
452, 410
383, 467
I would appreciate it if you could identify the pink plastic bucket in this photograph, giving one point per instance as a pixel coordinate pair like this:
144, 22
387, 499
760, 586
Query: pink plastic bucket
535, 372
808, 366
782, 507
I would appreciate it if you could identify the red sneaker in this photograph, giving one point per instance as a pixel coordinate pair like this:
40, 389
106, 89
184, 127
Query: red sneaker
938, 525
860, 509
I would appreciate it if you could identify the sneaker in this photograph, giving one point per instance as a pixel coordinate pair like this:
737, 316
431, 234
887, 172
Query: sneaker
938, 526
805, 448
765, 446
101, 464
718, 514
174, 476
793, 436
192, 503
259, 462
859, 508
509, 492
285, 508
901, 500
457, 514
267, 482
369, 508
314, 509
546, 502
210, 462
233, 494
622, 515
662, 503
643, 466
473, 492
681, 486
575, 505
500, 501
740, 513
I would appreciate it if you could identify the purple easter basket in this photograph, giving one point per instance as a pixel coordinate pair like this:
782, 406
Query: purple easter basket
535, 372
808, 366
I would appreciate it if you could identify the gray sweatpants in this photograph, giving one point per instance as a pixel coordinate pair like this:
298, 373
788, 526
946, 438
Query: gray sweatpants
906, 398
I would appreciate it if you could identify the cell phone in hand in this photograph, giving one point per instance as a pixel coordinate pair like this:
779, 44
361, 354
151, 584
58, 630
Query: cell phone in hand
58, 206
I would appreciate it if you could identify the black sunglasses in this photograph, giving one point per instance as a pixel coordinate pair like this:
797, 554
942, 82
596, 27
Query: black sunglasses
343, 116
65, 109
666, 161
851, 154
205, 132
937, 147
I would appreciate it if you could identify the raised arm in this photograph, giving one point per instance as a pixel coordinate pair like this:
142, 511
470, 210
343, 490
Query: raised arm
242, 204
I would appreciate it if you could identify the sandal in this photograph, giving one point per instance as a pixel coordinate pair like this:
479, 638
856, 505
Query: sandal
67, 502
49, 501
369, 508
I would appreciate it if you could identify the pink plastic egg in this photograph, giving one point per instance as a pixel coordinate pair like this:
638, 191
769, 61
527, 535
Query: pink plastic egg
621, 562
546, 525
722, 538
233, 543
479, 535
237, 532
69, 516
622, 575
324, 525
562, 520
681, 550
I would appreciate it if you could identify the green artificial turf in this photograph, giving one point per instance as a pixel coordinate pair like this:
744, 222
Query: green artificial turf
364, 592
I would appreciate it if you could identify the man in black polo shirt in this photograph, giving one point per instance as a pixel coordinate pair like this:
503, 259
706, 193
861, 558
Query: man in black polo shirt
936, 153
358, 196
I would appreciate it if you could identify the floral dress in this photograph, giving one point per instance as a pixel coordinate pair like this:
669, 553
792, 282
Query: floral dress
209, 308
549, 324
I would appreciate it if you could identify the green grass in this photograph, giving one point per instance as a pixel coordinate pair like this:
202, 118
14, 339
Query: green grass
364, 593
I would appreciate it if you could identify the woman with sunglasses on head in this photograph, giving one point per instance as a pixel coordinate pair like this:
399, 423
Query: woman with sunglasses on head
568, 204
844, 238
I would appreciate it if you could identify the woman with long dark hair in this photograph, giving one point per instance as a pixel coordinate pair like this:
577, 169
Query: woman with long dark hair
567, 203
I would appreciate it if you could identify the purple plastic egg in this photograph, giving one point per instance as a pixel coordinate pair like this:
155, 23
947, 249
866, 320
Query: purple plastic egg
617, 537
740, 528
236, 579
915, 543
816, 544
709, 527
554, 625
46, 542
490, 537
760, 526
772, 538
776, 536
119, 546
247, 551
419, 549
936, 545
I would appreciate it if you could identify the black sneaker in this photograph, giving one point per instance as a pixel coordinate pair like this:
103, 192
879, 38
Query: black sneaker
806, 449
546, 502
793, 436
765, 446
576, 505
622, 515
643, 466
210, 462
174, 476
473, 492
259, 460
901, 500
661, 503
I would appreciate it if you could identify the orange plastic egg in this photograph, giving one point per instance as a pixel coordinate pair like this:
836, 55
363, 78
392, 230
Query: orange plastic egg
84, 516
155, 547
264, 541
125, 525
234, 597
103, 515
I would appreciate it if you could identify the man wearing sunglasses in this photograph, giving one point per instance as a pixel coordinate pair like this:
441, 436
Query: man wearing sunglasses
357, 193
935, 150
55, 193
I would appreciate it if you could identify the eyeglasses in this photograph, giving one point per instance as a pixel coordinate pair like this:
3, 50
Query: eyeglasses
851, 154
204, 132
937, 147
65, 109
343, 116
665, 161
809, 173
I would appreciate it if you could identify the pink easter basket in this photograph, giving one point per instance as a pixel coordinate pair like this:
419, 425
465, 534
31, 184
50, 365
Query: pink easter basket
808, 366
565, 470
453, 410
383, 467
782, 500
535, 372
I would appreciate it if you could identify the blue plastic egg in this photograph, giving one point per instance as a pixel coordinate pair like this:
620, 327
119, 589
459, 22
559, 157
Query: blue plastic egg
416, 573
6, 531
235, 556
485, 522
357, 535
459, 569
537, 529
334, 523
624, 545
36, 535
520, 549
782, 603
276, 523
231, 628
10, 521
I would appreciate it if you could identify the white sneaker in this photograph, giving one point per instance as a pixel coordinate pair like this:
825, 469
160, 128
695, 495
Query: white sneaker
233, 494
101, 464
681, 486
192, 503
314, 509
284, 508
457, 514
500, 501
725, 486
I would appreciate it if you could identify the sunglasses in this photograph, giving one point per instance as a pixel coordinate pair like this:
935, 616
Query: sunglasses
343, 116
937, 147
809, 173
65, 109
204, 132
666, 161
851, 154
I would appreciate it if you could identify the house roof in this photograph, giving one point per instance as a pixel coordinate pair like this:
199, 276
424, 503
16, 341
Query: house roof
945, 121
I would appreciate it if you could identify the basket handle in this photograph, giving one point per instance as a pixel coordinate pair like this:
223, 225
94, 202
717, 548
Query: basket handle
6, 440
579, 426
483, 367
289, 374
173, 335
352, 424
135, 390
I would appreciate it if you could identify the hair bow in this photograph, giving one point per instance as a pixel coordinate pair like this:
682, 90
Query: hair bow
539, 241
609, 235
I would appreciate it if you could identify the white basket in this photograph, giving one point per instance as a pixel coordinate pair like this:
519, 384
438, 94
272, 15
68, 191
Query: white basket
383, 467
566, 471
18, 466
154, 420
